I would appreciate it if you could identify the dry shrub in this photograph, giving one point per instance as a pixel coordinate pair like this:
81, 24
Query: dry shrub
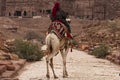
101, 51
27, 50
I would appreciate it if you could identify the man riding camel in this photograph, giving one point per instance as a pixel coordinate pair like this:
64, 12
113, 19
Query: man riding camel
60, 15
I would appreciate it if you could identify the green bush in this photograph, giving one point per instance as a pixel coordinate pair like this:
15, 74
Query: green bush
101, 51
27, 50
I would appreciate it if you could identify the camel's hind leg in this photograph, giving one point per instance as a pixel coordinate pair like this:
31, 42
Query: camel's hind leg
47, 62
64, 55
50, 58
52, 67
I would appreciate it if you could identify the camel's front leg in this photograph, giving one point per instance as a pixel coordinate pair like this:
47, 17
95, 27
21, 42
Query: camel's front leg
65, 74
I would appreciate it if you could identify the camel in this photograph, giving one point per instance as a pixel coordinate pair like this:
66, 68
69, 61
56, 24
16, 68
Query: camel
54, 46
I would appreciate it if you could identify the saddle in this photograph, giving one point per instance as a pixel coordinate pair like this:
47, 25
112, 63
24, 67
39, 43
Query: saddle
58, 28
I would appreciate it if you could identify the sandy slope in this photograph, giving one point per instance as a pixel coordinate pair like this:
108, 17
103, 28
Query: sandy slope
80, 66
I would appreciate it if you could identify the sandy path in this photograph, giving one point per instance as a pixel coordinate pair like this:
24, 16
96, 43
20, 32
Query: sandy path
80, 66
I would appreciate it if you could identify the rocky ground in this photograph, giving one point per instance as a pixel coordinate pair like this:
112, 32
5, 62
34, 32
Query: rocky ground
80, 66
10, 68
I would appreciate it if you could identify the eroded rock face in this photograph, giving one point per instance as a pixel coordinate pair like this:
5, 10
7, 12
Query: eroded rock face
4, 50
9, 68
2, 43
9, 62
114, 56
8, 56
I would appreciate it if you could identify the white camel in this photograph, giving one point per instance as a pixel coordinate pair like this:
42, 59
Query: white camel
54, 45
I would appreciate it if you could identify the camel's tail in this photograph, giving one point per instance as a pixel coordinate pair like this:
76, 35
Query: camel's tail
49, 46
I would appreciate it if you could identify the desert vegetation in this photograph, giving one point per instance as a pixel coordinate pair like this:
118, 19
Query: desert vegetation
101, 52
27, 50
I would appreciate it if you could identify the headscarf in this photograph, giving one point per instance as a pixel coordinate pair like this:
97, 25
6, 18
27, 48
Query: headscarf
55, 9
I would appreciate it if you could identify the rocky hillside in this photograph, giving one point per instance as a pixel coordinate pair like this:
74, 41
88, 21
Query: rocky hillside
91, 32
97, 32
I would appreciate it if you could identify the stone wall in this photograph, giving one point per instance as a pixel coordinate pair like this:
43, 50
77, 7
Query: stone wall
80, 8
26, 8
99, 9
84, 9
68, 6
93, 9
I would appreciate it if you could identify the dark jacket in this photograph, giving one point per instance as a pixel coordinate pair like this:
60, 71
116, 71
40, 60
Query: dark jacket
61, 16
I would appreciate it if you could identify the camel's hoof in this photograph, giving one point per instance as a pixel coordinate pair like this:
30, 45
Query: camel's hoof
65, 76
55, 77
47, 76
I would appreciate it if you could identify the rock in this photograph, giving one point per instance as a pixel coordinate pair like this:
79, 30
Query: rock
109, 57
20, 62
8, 74
117, 61
10, 67
13, 56
118, 57
8, 56
2, 52
2, 57
114, 55
84, 47
113, 59
5, 62
12, 28
2, 43
17, 67
2, 69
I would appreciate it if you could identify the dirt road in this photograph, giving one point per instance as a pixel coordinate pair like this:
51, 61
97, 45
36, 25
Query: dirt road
80, 66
